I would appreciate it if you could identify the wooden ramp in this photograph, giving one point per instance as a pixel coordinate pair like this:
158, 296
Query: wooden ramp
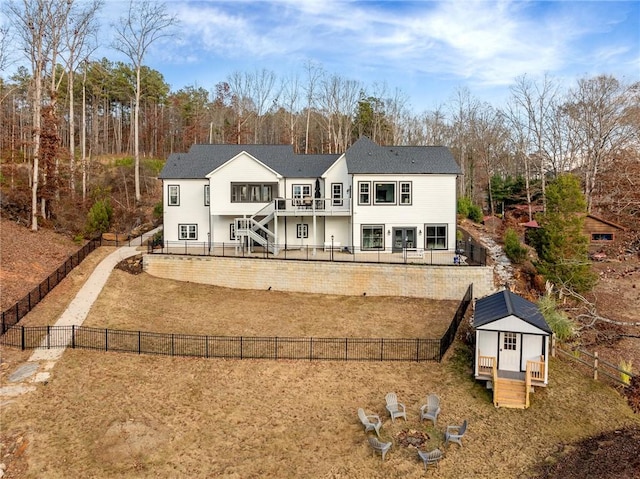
510, 393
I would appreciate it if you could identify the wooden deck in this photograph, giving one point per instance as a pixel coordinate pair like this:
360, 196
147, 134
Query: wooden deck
511, 388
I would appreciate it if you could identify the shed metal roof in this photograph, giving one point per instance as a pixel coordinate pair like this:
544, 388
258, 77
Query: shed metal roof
505, 303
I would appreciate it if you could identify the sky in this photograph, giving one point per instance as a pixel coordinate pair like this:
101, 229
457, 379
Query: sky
427, 50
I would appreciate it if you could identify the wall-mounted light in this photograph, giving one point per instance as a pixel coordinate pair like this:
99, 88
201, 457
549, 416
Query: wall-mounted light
419, 232
388, 232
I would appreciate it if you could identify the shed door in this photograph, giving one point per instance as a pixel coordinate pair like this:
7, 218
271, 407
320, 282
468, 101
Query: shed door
509, 359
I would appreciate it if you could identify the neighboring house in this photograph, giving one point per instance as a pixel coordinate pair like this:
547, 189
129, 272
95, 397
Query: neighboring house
600, 230
512, 347
371, 198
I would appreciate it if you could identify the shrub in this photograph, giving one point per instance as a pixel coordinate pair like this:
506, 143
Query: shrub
626, 376
559, 323
512, 247
467, 209
99, 218
157, 210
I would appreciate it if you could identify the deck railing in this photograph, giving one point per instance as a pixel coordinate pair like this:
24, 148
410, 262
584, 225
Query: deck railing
486, 365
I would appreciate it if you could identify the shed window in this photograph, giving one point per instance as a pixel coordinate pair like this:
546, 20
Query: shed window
510, 341
601, 236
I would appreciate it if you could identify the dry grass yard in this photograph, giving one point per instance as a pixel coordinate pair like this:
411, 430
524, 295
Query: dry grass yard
106, 415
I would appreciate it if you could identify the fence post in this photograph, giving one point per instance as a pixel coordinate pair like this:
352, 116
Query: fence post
311, 349
48, 336
417, 350
22, 339
595, 365
346, 349
276, 349
73, 336
139, 342
106, 339
241, 347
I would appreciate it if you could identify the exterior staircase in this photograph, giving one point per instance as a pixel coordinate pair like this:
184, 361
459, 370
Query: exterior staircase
510, 393
251, 228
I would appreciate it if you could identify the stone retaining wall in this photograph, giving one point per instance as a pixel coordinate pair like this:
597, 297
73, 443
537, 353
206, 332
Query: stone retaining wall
372, 279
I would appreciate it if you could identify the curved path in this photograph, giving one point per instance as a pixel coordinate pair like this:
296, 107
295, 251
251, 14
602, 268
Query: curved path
38, 366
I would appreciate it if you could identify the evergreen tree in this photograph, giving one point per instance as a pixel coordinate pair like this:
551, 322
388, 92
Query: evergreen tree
561, 244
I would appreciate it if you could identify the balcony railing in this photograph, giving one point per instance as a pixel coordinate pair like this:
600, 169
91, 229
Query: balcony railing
312, 206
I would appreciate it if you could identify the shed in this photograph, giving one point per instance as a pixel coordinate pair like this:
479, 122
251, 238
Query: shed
512, 347
600, 230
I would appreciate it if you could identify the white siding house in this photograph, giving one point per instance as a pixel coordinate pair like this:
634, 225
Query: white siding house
371, 198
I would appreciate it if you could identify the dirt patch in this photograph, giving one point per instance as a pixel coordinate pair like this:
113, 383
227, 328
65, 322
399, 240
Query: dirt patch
126, 444
412, 438
28, 258
605, 456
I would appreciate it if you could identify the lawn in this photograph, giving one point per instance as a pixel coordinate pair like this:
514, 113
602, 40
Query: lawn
105, 415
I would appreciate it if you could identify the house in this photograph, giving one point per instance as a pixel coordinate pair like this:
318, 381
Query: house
512, 347
599, 230
371, 198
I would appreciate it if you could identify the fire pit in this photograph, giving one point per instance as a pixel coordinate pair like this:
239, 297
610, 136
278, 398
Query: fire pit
411, 438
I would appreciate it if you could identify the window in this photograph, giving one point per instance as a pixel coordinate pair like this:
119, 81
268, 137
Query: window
373, 237
336, 194
174, 195
436, 236
385, 193
364, 196
302, 230
252, 192
405, 192
601, 236
300, 193
510, 341
188, 232
232, 231
206, 195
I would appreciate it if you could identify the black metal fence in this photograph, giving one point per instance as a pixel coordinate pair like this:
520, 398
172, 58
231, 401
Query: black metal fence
237, 347
15, 313
466, 254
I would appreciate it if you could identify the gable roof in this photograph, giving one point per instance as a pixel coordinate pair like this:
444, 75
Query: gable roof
203, 159
365, 156
505, 303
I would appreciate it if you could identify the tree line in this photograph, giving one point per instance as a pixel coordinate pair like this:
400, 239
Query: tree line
69, 108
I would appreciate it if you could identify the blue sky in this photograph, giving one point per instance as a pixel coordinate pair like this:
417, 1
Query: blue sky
427, 49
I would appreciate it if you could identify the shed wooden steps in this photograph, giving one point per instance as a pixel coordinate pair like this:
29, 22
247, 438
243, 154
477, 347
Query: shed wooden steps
510, 393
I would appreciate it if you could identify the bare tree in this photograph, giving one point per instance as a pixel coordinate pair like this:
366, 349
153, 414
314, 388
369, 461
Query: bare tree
339, 99
290, 91
32, 20
596, 112
314, 75
146, 23
77, 35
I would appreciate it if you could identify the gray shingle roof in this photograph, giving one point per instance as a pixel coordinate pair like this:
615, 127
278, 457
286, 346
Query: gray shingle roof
365, 156
505, 303
203, 159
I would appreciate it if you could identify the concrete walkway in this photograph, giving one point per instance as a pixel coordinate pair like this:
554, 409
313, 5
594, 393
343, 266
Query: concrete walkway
37, 368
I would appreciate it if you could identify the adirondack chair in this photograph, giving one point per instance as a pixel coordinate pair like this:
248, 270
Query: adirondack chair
395, 408
431, 457
455, 433
431, 409
371, 422
381, 447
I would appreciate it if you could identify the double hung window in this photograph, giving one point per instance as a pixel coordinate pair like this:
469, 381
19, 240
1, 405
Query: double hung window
173, 195
336, 194
364, 193
188, 232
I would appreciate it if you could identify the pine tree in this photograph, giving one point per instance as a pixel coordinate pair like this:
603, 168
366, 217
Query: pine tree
561, 244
